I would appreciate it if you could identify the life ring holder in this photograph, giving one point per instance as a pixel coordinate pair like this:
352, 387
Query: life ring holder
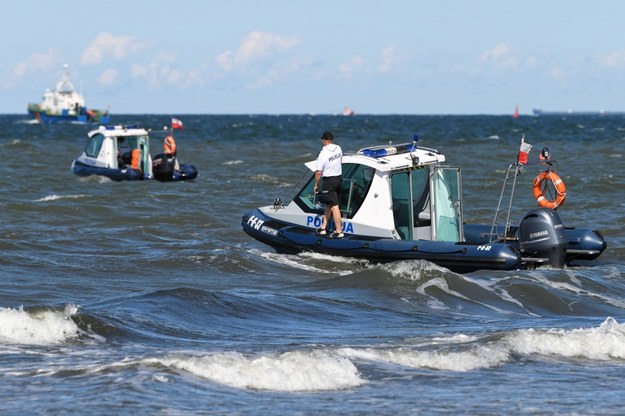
540, 185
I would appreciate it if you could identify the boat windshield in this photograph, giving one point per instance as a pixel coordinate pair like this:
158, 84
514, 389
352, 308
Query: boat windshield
94, 146
356, 183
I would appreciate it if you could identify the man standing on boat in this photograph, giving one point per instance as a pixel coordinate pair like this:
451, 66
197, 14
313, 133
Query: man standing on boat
329, 168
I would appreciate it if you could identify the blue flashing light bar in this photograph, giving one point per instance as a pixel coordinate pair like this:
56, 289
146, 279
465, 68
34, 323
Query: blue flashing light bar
109, 127
380, 152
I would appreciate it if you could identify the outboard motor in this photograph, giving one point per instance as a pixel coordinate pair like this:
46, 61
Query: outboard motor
541, 235
162, 168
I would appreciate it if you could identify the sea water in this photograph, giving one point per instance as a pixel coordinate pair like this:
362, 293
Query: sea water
148, 298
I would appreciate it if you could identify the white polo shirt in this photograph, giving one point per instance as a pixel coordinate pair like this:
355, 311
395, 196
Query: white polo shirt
329, 160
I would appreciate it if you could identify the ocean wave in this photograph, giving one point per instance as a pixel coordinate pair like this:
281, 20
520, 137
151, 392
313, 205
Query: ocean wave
40, 326
326, 369
465, 353
589, 291
604, 343
295, 371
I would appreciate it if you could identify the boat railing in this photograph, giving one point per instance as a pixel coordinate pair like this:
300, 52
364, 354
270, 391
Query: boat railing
497, 232
501, 228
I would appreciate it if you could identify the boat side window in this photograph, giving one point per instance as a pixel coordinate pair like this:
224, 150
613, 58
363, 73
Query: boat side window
307, 200
94, 146
356, 183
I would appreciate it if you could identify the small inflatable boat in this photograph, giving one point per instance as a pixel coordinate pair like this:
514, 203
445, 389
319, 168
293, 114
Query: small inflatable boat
123, 153
403, 202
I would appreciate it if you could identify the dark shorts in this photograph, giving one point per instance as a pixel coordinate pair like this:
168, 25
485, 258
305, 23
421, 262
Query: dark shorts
332, 188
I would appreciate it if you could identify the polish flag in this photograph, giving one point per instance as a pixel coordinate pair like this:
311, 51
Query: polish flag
524, 152
176, 124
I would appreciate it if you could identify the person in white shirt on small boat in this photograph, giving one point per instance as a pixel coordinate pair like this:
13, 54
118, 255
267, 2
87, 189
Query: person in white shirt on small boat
329, 168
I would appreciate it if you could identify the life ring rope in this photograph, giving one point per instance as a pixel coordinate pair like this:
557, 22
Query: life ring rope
559, 186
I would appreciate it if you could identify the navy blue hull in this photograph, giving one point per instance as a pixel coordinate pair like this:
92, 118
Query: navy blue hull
82, 169
186, 173
458, 257
582, 243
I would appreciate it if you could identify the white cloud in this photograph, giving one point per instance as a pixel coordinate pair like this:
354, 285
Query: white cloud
256, 46
108, 77
161, 72
138, 71
614, 60
106, 44
277, 72
500, 56
38, 62
171, 75
354, 64
388, 58
557, 73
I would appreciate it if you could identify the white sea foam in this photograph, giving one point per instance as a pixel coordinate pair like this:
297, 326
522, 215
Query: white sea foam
264, 178
471, 359
412, 269
603, 343
291, 371
232, 162
18, 326
336, 369
335, 260
302, 261
56, 197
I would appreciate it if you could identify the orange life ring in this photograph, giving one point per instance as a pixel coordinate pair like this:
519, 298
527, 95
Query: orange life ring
557, 183
169, 145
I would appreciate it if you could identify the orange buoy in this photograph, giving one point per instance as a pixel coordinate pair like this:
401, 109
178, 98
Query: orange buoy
559, 186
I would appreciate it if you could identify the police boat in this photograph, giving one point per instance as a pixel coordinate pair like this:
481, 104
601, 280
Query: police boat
403, 202
123, 153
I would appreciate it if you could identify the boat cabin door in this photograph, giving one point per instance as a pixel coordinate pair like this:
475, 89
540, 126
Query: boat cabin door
143, 144
427, 204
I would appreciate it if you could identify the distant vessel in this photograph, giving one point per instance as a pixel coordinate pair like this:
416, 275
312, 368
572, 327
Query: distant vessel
347, 111
539, 112
64, 104
122, 153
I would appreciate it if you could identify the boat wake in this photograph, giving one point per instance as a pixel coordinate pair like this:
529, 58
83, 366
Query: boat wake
56, 197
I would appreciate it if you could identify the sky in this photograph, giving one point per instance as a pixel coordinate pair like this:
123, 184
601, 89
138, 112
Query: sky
303, 57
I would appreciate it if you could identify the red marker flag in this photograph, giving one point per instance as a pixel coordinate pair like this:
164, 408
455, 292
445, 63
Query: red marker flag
524, 152
176, 124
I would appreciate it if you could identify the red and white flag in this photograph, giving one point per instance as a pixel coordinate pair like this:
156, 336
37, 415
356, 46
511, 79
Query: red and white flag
524, 152
176, 124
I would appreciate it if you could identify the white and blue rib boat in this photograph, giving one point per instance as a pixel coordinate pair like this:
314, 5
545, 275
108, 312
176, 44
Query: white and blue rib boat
110, 151
404, 202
